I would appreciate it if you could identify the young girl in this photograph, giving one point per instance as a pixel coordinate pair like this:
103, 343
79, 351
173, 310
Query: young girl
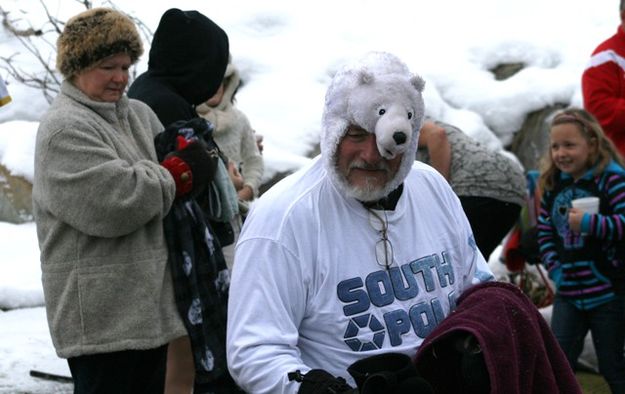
585, 253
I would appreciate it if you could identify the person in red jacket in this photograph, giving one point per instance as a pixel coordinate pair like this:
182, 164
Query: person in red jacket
603, 84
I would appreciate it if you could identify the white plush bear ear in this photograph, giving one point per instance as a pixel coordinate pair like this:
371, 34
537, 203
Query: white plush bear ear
418, 83
365, 77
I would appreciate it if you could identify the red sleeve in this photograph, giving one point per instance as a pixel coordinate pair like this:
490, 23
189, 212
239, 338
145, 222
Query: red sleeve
601, 88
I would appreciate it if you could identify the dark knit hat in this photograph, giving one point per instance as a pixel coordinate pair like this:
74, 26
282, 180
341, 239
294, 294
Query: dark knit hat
94, 35
191, 52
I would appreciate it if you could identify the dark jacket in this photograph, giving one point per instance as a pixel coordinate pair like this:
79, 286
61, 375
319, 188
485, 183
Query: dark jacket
188, 60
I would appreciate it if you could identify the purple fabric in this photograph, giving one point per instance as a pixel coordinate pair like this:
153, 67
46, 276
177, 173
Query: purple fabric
520, 352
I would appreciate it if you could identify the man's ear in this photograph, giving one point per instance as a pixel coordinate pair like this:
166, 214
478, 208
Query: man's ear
623, 19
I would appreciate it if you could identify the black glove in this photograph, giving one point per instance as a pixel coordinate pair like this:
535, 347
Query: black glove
318, 381
461, 356
388, 373
192, 167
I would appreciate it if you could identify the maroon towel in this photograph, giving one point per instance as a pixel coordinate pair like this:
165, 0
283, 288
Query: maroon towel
520, 352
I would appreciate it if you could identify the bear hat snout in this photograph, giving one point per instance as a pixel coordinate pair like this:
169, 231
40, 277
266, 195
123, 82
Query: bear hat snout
400, 137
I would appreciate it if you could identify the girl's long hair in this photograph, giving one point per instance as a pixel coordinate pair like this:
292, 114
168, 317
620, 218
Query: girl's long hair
588, 125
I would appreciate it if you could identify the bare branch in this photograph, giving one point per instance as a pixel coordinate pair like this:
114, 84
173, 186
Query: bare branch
48, 87
8, 24
53, 21
46, 79
86, 3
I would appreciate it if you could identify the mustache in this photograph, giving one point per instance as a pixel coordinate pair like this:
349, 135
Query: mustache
363, 165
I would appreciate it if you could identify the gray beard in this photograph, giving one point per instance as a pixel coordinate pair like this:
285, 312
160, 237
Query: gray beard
366, 193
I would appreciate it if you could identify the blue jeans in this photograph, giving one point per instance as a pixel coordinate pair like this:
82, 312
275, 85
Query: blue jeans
607, 326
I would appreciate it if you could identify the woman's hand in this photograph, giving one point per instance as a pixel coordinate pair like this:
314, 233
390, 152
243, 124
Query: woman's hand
235, 176
246, 193
259, 142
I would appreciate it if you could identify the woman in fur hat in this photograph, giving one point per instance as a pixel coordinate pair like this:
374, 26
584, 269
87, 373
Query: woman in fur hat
99, 199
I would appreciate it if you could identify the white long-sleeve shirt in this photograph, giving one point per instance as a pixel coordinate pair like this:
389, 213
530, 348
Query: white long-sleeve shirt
307, 291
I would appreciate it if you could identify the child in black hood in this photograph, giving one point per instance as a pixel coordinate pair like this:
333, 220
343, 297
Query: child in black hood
187, 63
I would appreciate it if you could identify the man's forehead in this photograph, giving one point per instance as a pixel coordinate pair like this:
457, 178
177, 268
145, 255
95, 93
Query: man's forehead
355, 127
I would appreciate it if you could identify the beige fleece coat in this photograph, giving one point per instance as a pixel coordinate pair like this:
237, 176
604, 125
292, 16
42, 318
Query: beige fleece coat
99, 197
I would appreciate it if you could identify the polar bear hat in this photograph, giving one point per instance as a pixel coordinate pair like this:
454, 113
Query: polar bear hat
380, 94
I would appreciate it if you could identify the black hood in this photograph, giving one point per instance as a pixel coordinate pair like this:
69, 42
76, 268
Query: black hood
190, 53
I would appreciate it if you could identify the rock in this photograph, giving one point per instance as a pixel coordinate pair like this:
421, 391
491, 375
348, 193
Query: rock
275, 179
506, 70
532, 141
278, 176
15, 198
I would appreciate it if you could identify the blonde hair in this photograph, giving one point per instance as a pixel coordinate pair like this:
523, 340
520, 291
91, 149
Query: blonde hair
590, 129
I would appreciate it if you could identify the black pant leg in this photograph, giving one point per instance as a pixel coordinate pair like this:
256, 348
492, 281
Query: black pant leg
123, 372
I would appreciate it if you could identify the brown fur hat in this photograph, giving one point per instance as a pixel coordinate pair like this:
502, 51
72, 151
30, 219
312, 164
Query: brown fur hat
94, 35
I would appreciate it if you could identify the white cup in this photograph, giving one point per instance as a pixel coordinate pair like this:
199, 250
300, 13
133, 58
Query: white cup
587, 204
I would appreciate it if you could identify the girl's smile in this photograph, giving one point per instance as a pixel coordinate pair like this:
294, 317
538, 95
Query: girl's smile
570, 150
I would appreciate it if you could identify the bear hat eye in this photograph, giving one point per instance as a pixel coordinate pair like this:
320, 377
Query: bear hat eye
381, 112
409, 115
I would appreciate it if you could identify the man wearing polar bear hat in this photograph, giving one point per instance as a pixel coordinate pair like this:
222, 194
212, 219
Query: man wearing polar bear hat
363, 252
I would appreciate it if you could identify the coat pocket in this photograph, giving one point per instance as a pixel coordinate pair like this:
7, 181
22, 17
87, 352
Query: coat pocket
122, 303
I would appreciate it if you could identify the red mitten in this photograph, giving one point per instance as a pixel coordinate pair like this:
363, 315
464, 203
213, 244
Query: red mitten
192, 167
181, 172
